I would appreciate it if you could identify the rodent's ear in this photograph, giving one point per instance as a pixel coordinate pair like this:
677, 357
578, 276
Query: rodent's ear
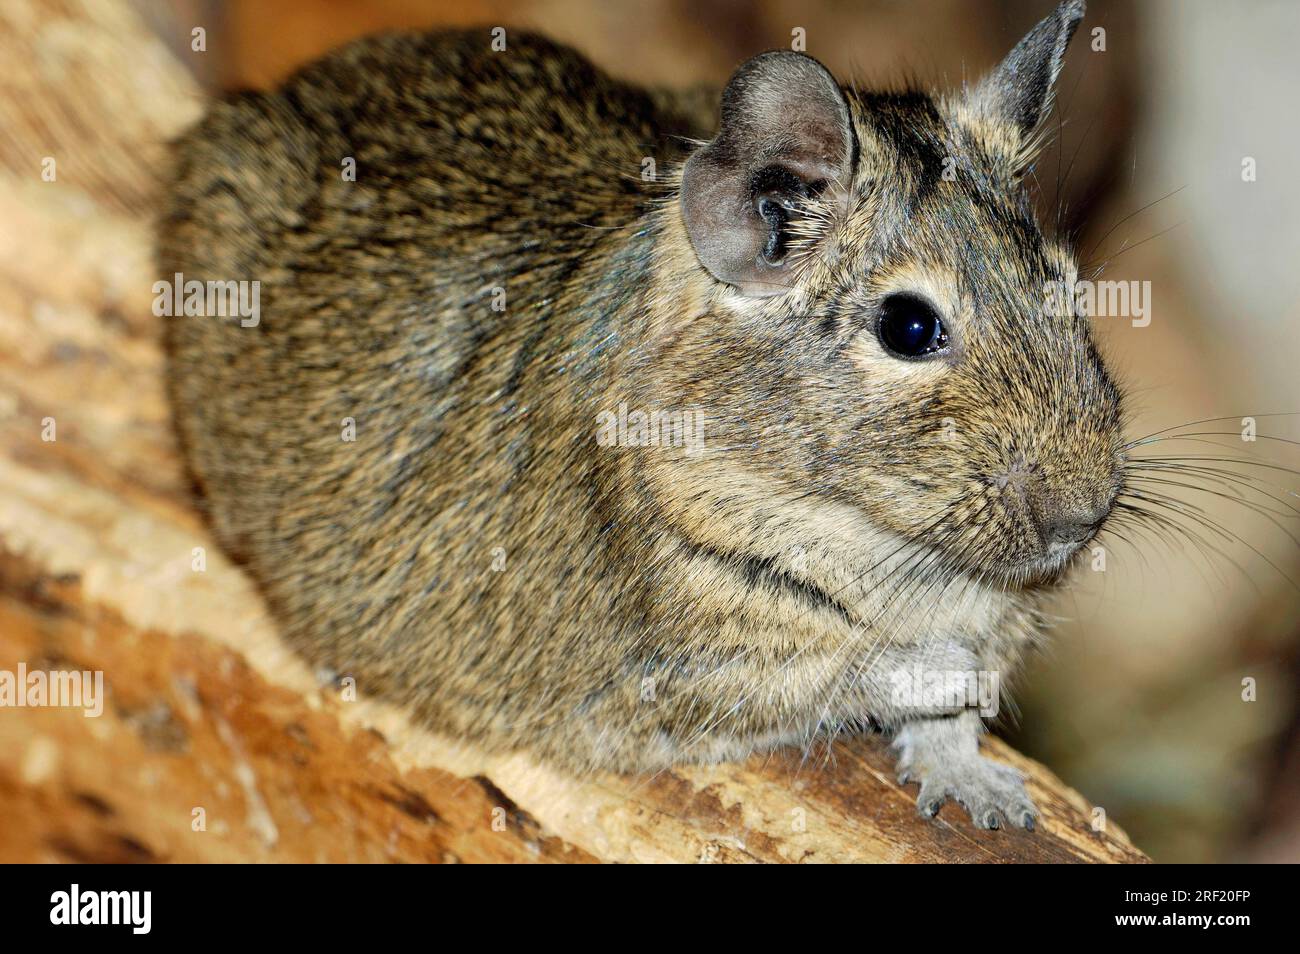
1021, 89
785, 138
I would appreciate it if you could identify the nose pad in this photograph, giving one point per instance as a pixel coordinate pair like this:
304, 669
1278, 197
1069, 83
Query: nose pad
1064, 511
1068, 530
1071, 526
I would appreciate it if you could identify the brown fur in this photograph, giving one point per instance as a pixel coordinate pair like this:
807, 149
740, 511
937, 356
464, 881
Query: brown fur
849, 512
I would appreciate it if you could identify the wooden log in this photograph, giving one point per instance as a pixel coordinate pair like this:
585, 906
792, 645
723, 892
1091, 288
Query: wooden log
215, 742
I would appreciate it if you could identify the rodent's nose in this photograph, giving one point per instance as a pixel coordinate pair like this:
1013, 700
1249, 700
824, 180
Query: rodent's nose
1071, 526
1062, 515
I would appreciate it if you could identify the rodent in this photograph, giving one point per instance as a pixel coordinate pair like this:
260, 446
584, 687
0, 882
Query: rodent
900, 455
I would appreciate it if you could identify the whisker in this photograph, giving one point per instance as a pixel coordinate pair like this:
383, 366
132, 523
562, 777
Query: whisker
1213, 525
1102, 241
1234, 434
1128, 248
1208, 420
1244, 461
1237, 498
1166, 528
1220, 474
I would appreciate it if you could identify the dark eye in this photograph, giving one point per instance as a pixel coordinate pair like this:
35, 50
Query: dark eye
910, 327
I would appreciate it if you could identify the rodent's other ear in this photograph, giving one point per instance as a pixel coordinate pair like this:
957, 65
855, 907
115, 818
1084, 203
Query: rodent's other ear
784, 138
1021, 89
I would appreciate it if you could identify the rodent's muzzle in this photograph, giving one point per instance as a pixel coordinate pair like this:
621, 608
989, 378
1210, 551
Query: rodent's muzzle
1064, 514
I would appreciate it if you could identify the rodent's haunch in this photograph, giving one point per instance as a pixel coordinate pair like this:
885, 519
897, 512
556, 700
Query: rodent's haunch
900, 452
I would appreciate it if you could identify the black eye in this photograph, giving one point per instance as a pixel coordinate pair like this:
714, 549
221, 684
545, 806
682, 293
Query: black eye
910, 327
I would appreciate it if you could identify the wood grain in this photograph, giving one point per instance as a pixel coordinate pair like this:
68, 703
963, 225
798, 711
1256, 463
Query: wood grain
208, 716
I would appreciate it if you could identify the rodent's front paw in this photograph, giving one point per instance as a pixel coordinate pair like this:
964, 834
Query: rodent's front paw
943, 755
993, 794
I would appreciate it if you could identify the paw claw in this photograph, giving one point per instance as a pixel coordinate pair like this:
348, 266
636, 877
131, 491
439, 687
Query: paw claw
992, 794
943, 756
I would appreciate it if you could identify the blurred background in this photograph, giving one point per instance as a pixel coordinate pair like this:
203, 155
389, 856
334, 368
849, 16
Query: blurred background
1168, 694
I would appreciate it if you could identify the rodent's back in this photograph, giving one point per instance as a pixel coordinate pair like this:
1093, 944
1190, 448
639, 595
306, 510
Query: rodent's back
478, 174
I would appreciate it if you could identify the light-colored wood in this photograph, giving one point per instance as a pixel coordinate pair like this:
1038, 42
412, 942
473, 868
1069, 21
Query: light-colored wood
208, 717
